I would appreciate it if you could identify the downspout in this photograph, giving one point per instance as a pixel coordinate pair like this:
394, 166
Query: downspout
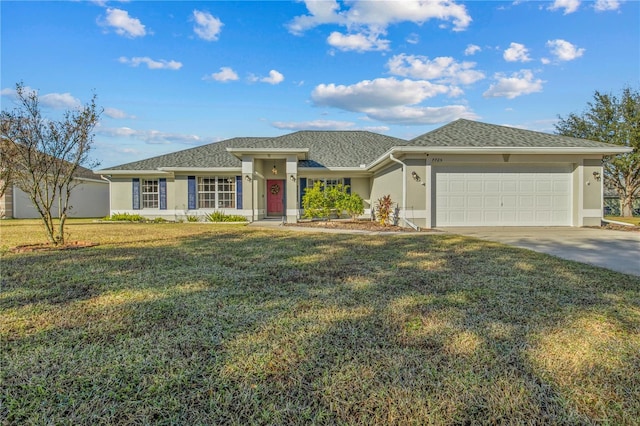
404, 193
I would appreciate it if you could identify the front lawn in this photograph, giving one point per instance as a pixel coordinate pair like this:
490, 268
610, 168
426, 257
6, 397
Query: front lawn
201, 324
635, 220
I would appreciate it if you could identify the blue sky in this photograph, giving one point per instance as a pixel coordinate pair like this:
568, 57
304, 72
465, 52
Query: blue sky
171, 75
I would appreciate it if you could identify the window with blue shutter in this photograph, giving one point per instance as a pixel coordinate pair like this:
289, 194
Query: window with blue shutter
191, 192
303, 186
135, 190
347, 183
239, 192
163, 193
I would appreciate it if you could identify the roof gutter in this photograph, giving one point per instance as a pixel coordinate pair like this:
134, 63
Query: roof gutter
613, 150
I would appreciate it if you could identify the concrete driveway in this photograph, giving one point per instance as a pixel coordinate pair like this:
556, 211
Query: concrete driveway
615, 250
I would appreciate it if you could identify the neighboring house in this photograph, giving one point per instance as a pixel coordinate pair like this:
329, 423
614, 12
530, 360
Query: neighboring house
612, 203
463, 174
90, 198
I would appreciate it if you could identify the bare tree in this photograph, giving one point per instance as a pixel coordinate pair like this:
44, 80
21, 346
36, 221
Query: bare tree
41, 156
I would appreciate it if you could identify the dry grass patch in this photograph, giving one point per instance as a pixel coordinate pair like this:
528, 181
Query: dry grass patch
194, 324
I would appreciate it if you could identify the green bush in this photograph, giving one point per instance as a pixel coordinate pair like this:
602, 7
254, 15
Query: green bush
125, 217
218, 216
319, 201
193, 218
353, 204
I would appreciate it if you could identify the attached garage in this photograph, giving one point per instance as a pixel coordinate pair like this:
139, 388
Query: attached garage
503, 195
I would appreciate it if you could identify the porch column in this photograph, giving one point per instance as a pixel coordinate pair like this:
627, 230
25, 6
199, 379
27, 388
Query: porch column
248, 207
291, 208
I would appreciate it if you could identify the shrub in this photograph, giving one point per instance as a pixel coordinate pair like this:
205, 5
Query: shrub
192, 218
319, 201
125, 217
314, 202
384, 208
218, 216
353, 204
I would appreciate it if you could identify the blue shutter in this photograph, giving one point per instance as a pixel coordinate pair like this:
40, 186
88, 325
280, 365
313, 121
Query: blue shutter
191, 192
163, 193
347, 183
136, 193
239, 192
303, 186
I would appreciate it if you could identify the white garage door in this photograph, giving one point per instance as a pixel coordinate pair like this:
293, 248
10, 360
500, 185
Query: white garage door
500, 195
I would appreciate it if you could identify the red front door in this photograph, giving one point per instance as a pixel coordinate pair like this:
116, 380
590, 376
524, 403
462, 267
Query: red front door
275, 197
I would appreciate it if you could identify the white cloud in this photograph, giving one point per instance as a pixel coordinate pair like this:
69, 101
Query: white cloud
149, 136
444, 69
378, 93
518, 84
60, 101
516, 53
313, 125
413, 38
422, 115
605, 5
151, 63
124, 24
274, 78
569, 6
50, 100
358, 42
471, 49
225, 74
207, 26
116, 113
563, 50
371, 18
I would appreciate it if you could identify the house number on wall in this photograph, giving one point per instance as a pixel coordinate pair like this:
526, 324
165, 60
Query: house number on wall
436, 160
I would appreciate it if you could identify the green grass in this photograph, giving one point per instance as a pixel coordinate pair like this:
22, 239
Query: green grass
193, 324
635, 220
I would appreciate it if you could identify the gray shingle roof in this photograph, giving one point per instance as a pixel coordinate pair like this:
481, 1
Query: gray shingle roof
353, 148
466, 133
326, 149
210, 155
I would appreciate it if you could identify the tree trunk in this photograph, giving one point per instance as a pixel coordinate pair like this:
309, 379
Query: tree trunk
626, 206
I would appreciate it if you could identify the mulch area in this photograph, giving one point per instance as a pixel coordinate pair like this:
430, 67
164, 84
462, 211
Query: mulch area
71, 245
621, 227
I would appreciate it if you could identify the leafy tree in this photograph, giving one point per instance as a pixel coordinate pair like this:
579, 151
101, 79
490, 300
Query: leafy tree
617, 121
41, 156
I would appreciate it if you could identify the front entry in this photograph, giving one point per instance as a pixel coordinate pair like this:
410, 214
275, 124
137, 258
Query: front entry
275, 197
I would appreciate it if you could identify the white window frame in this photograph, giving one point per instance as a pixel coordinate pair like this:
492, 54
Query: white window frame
222, 195
150, 193
326, 182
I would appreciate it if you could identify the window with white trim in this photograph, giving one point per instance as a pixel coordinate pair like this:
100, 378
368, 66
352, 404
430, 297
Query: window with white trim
326, 182
216, 192
150, 194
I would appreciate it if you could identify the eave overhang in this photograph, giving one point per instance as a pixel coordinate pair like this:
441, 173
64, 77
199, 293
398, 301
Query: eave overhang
300, 153
613, 150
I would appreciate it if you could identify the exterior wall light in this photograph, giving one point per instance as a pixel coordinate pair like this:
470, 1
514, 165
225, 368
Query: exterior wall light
292, 178
415, 176
274, 170
596, 176
247, 178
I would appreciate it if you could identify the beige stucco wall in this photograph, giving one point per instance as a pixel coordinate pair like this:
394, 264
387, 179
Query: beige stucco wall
388, 181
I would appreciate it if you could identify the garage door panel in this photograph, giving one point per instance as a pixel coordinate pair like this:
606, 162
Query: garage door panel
498, 195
